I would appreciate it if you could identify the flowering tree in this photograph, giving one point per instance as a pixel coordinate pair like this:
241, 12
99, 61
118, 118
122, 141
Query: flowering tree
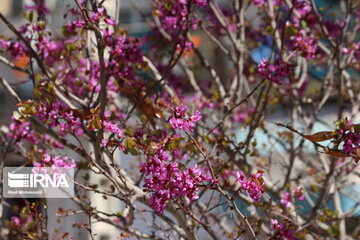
192, 130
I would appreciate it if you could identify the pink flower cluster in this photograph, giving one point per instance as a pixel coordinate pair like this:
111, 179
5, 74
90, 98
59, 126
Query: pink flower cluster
173, 16
242, 114
334, 27
72, 26
126, 55
349, 135
353, 47
57, 114
169, 181
299, 193
110, 127
203, 102
49, 49
306, 45
82, 79
19, 130
258, 3
283, 230
255, 185
179, 121
99, 13
55, 162
123, 48
302, 7
17, 49
286, 197
275, 73
16, 220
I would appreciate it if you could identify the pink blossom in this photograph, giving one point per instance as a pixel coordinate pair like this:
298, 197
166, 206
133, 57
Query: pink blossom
232, 28
283, 229
255, 185
174, 17
112, 128
110, 21
104, 142
348, 136
56, 114
286, 199
299, 193
55, 162
258, 3
15, 220
275, 73
302, 7
306, 45
100, 12
242, 114
16, 48
179, 121
346, 51
73, 26
168, 181
20, 129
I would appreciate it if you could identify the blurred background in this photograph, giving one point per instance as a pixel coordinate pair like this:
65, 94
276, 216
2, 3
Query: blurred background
135, 24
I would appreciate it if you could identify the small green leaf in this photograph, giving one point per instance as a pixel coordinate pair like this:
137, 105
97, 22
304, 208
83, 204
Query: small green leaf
96, 123
29, 15
129, 132
134, 151
303, 24
130, 143
25, 211
86, 177
206, 138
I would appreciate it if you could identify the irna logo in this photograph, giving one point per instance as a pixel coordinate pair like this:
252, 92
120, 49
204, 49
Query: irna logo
39, 182
23, 180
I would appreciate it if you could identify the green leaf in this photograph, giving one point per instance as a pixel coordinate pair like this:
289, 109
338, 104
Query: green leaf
172, 144
129, 132
303, 24
134, 151
290, 31
71, 46
96, 123
25, 211
206, 138
86, 177
342, 124
130, 143
29, 15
